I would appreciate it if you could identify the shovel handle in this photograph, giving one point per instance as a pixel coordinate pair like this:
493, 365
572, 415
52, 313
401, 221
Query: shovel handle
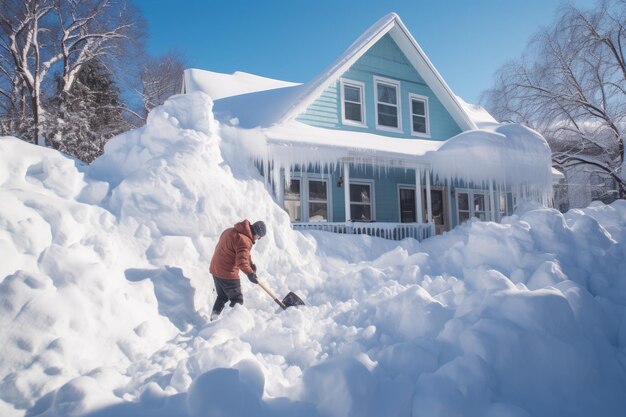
271, 294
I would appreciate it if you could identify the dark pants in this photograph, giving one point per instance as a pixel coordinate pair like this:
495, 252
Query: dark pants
227, 290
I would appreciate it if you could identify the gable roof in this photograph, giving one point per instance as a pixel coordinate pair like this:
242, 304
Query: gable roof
258, 101
393, 25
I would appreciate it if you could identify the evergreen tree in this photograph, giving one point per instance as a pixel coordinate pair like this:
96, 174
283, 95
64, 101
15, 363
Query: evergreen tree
88, 115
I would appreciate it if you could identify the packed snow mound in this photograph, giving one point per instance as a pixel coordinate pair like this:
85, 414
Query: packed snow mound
64, 308
104, 282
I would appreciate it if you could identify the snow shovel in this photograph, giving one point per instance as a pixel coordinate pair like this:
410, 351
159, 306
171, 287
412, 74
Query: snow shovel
290, 300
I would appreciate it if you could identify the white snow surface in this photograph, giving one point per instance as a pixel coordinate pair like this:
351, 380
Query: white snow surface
104, 291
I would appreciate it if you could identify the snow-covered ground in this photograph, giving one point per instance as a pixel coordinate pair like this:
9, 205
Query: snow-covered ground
104, 286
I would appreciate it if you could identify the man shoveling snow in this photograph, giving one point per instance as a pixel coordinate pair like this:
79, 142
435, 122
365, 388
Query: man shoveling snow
231, 255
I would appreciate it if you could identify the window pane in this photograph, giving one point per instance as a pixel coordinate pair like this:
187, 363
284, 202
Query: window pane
419, 107
387, 94
387, 115
419, 124
463, 216
463, 199
317, 190
436, 200
353, 112
359, 193
352, 93
292, 191
292, 200
407, 205
318, 212
293, 208
479, 202
360, 212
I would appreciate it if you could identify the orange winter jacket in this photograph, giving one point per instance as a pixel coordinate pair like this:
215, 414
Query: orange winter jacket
232, 252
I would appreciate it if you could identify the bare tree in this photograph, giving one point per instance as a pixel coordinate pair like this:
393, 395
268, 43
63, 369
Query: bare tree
38, 37
161, 77
570, 85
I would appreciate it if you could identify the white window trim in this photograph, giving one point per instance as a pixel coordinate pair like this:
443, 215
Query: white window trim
500, 213
304, 178
361, 87
360, 181
413, 96
408, 187
297, 177
388, 81
472, 213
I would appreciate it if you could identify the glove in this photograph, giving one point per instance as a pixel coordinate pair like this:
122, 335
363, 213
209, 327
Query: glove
253, 266
252, 278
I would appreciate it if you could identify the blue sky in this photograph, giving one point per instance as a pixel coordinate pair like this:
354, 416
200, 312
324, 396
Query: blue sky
294, 40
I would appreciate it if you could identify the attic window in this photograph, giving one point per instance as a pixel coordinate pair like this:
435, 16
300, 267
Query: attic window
352, 98
387, 104
419, 115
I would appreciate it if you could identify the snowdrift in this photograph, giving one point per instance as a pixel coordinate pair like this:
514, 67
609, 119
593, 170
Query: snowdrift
104, 287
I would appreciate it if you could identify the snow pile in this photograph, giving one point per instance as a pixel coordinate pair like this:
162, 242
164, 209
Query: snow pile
104, 281
61, 279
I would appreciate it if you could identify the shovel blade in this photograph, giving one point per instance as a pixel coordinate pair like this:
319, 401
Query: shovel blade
292, 300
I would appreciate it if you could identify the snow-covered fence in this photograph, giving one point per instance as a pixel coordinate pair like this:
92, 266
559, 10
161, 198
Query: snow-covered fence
391, 231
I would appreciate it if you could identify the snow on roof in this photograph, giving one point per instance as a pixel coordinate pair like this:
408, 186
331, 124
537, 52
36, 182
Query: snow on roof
243, 99
510, 155
479, 115
303, 136
218, 85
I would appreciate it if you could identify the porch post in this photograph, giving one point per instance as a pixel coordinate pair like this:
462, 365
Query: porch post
346, 189
418, 196
280, 192
492, 208
429, 206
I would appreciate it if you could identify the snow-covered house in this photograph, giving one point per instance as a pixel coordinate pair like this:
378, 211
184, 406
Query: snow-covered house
347, 150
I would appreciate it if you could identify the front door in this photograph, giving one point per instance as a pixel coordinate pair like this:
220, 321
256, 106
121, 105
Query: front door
407, 205
439, 203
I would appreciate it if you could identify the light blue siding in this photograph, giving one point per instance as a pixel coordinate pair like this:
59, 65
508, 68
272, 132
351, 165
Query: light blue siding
323, 112
384, 59
386, 202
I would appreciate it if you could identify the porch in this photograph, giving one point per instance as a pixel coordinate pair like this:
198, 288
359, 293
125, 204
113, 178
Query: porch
391, 231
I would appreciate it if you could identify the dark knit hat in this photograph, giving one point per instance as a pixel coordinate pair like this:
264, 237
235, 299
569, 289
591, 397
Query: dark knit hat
258, 228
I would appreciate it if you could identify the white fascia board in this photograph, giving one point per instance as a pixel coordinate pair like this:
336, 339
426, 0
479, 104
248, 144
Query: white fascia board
414, 53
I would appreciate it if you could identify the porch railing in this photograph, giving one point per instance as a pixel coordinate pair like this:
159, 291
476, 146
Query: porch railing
391, 231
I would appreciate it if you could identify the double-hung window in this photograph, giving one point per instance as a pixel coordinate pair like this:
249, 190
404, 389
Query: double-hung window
419, 115
307, 199
361, 200
353, 109
318, 200
388, 115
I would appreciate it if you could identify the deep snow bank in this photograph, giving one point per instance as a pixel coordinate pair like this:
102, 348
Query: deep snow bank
101, 266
